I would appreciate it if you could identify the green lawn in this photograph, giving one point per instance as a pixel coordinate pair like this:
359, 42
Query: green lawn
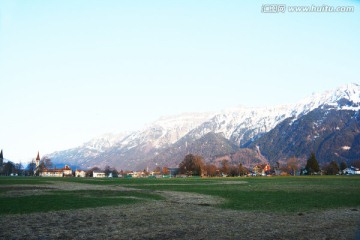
64, 200
280, 194
275, 194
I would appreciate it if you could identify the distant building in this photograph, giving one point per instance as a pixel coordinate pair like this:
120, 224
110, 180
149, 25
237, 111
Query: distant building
80, 173
261, 169
51, 173
62, 172
351, 170
98, 174
37, 164
67, 171
173, 171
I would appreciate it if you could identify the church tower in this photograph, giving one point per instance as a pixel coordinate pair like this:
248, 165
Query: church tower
37, 160
1, 159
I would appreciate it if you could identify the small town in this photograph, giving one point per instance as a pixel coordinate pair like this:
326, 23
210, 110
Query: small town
192, 166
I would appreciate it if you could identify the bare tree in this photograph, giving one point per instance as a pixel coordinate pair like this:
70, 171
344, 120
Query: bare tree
107, 170
293, 165
165, 171
242, 170
225, 166
192, 165
9, 168
19, 168
31, 167
234, 171
157, 169
211, 170
45, 163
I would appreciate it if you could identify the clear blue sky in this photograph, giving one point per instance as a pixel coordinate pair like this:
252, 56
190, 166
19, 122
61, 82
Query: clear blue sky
71, 70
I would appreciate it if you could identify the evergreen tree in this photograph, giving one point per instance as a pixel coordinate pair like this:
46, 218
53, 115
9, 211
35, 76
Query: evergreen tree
1, 162
312, 165
332, 168
343, 165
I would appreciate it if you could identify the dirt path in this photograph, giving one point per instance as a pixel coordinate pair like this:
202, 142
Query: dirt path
180, 216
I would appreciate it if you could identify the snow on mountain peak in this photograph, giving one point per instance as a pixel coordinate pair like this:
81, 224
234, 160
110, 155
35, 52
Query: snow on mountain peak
241, 125
104, 141
350, 92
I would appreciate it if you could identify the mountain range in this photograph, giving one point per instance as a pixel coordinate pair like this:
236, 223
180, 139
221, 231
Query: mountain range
326, 123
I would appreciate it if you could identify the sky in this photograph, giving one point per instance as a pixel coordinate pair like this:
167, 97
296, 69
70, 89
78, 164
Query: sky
73, 70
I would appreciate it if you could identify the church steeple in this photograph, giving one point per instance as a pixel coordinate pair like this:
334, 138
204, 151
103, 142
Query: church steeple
37, 160
1, 160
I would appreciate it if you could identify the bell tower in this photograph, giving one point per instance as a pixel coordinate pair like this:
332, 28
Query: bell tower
1, 159
37, 160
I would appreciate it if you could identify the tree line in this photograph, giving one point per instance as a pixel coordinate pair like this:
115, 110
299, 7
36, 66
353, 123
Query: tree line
194, 165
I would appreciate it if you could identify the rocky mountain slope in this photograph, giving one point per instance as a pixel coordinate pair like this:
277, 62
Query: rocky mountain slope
330, 133
266, 134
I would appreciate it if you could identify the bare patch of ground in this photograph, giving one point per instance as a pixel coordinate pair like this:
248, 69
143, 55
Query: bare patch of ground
23, 190
190, 198
194, 184
231, 182
27, 190
168, 220
179, 216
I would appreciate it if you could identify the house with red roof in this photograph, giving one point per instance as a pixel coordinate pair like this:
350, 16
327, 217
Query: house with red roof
62, 172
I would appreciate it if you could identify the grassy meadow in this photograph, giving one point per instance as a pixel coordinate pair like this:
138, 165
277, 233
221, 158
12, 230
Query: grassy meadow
21, 195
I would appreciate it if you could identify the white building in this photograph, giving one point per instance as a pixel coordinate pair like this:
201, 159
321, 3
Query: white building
351, 170
80, 173
62, 172
98, 174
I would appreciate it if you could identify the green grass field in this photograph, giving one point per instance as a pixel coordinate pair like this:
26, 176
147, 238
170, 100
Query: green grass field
274, 194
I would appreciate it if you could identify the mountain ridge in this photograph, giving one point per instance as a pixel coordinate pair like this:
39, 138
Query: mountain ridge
241, 126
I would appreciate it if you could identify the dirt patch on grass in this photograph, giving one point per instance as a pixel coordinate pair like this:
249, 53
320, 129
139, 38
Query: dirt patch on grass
191, 184
231, 182
72, 186
23, 190
191, 198
169, 220
180, 216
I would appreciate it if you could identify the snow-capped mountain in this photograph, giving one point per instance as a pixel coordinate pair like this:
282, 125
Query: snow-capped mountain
335, 98
165, 131
104, 142
241, 126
